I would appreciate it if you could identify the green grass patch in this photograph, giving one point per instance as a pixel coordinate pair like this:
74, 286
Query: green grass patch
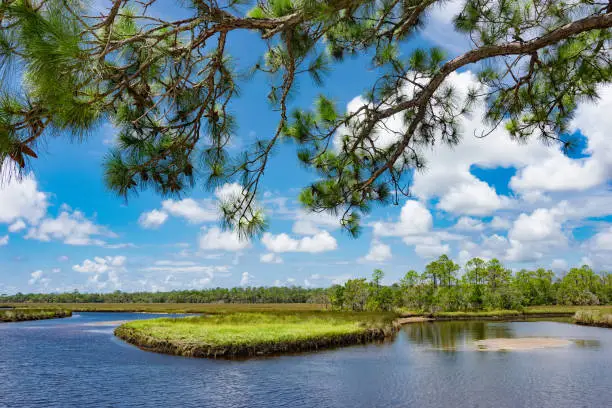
601, 318
249, 334
25, 314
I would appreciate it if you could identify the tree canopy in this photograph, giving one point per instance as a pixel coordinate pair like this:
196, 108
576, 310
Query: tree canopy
168, 87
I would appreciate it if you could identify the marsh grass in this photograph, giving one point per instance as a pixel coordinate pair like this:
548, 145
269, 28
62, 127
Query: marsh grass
25, 314
594, 318
565, 310
209, 308
249, 334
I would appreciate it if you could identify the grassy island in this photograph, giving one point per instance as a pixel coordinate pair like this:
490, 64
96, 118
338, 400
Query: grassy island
598, 318
25, 314
251, 334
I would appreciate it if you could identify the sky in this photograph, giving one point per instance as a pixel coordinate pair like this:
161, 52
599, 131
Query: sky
528, 205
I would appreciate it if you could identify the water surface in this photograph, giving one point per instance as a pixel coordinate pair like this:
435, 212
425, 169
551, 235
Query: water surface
76, 362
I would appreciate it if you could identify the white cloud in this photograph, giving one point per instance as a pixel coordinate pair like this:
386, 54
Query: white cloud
308, 223
474, 197
440, 28
71, 228
379, 252
193, 211
19, 197
152, 219
246, 279
414, 219
270, 258
602, 241
561, 173
4, 240
100, 264
320, 242
216, 239
559, 265
228, 192
542, 224
500, 223
38, 278
469, 224
62, 258
17, 226
178, 267
429, 247
533, 235
56, 270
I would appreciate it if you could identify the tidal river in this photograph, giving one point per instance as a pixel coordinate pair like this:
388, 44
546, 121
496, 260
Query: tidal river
77, 362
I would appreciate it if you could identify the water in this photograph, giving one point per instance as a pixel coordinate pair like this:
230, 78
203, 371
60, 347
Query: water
77, 362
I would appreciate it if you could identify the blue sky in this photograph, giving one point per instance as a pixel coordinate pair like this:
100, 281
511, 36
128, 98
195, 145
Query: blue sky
528, 205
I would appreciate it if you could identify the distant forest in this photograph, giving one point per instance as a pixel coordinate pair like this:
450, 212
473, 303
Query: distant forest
483, 285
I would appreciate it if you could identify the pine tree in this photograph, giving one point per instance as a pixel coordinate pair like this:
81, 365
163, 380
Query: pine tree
168, 87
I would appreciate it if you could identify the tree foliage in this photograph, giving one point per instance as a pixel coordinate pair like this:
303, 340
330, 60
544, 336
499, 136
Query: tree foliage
168, 86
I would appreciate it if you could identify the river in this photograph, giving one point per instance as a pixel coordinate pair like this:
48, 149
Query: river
77, 362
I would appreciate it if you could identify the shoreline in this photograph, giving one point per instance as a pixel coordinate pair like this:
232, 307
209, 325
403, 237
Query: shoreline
17, 315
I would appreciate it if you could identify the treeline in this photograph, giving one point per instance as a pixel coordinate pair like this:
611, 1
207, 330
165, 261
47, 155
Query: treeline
481, 285
216, 295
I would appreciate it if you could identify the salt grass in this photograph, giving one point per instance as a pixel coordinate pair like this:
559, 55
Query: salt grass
250, 334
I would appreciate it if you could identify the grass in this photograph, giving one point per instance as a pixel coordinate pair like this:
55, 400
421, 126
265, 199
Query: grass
565, 310
209, 308
25, 314
249, 334
599, 318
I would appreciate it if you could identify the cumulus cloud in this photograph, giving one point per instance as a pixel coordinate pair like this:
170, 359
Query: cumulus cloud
500, 223
38, 278
216, 239
270, 258
414, 219
469, 224
246, 279
193, 211
559, 265
558, 172
307, 223
4, 240
104, 272
320, 242
152, 219
378, 252
71, 228
20, 198
17, 226
100, 264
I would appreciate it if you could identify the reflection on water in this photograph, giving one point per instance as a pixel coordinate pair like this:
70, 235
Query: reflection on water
77, 362
461, 335
454, 335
